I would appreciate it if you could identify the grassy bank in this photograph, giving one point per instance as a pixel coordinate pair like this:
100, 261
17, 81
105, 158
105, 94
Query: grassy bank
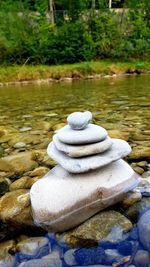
28, 73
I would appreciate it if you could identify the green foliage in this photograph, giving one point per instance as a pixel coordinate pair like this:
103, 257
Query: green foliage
69, 43
84, 34
104, 32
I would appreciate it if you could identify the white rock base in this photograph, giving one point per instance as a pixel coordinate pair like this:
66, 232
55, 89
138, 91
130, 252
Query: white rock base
62, 200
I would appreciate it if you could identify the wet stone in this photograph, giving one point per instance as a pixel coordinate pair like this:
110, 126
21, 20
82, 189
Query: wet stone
91, 232
144, 229
19, 145
15, 208
131, 198
25, 129
33, 247
20, 162
50, 260
136, 209
91, 256
142, 258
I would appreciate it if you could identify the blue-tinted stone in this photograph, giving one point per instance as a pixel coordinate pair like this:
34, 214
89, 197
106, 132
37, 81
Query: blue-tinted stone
144, 230
42, 263
85, 256
142, 259
107, 245
126, 247
43, 251
116, 235
112, 255
133, 235
69, 257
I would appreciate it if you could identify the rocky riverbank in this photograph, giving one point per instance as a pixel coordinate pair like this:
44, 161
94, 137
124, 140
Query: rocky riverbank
23, 161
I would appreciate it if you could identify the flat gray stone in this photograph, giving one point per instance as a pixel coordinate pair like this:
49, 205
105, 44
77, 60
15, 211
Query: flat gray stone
91, 134
119, 149
79, 120
82, 150
62, 200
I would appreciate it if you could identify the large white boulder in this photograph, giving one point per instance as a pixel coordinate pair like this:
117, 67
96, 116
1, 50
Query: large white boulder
62, 200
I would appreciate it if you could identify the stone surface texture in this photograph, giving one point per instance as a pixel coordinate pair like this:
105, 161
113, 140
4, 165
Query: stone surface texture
91, 232
79, 120
119, 149
69, 199
91, 134
82, 150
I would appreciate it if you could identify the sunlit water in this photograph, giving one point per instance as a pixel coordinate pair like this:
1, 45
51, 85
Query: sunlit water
116, 102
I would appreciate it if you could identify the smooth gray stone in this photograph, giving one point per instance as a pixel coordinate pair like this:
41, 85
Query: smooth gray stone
119, 149
69, 257
62, 200
142, 258
91, 134
82, 150
144, 229
79, 120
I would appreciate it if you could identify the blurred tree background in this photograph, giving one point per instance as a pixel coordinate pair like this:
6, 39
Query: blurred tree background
69, 31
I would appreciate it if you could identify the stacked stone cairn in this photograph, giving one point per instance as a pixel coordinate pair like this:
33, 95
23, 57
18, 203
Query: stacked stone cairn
89, 177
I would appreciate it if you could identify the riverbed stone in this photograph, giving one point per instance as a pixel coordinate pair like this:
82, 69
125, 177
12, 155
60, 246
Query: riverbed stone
79, 120
5, 166
69, 257
30, 247
4, 185
137, 169
144, 229
25, 129
139, 152
136, 209
24, 182
40, 171
91, 134
83, 195
142, 258
7, 249
131, 198
15, 208
119, 149
95, 229
19, 145
21, 162
51, 260
82, 150
142, 164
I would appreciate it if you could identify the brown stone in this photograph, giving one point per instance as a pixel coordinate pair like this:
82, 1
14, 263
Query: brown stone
15, 208
95, 229
21, 162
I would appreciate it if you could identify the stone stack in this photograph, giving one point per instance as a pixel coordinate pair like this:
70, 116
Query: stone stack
90, 175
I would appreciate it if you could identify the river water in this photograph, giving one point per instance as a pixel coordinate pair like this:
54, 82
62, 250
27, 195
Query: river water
120, 103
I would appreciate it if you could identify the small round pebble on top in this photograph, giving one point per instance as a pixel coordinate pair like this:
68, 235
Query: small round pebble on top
79, 120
